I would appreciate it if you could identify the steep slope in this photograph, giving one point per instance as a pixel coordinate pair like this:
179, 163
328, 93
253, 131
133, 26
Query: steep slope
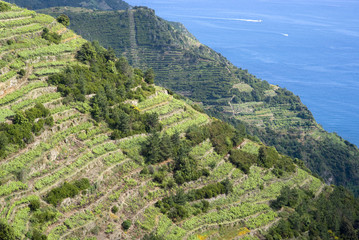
96, 4
183, 64
108, 155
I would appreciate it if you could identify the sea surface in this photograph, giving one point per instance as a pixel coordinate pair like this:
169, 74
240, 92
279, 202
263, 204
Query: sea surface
309, 47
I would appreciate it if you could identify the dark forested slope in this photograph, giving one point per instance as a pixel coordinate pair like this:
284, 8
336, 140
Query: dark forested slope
183, 64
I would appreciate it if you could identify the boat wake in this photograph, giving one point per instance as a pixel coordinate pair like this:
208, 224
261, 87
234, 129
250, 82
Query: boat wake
228, 19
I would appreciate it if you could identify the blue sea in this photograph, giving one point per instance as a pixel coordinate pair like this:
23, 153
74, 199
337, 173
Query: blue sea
310, 47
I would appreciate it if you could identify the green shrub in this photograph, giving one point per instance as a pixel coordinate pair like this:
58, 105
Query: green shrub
114, 209
34, 205
221, 135
63, 19
267, 156
22, 72
242, 160
20, 132
126, 224
86, 53
149, 76
10, 42
174, 205
145, 171
44, 215
37, 235
6, 231
56, 195
82, 184
52, 37
49, 121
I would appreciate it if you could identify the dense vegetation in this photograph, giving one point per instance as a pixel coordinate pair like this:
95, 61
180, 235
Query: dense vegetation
24, 126
175, 206
182, 64
51, 37
63, 19
332, 215
101, 5
6, 232
56, 195
267, 158
327, 155
106, 78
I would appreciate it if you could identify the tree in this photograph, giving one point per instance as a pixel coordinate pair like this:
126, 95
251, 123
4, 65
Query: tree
242, 160
288, 197
114, 209
347, 230
63, 19
37, 235
205, 205
176, 143
34, 205
22, 72
36, 127
100, 105
20, 118
228, 186
267, 156
121, 121
82, 183
150, 76
180, 197
4, 140
124, 68
262, 156
152, 236
6, 231
181, 156
152, 122
185, 167
96, 112
110, 54
221, 135
151, 150
166, 147
52, 37
126, 224
178, 212
178, 176
86, 53
197, 134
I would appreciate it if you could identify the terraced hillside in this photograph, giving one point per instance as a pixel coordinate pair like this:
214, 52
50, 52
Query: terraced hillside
91, 149
27, 59
186, 66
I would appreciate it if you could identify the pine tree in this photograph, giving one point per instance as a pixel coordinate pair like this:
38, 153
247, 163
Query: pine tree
152, 149
166, 147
